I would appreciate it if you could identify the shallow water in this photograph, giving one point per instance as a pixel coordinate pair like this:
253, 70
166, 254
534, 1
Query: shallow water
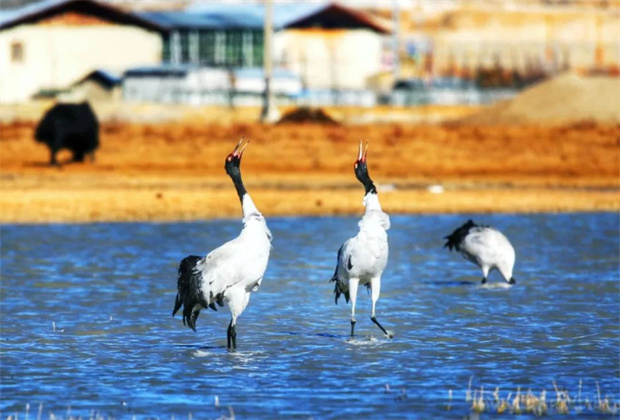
86, 321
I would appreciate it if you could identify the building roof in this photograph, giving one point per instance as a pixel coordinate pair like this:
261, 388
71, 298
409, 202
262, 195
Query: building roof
240, 19
181, 70
104, 77
47, 8
170, 70
336, 16
222, 16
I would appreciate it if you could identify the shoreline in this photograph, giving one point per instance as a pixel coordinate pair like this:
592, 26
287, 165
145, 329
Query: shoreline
174, 172
127, 205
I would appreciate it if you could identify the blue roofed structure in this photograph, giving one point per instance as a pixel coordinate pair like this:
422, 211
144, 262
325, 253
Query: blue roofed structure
287, 15
103, 77
252, 15
97, 85
228, 35
218, 19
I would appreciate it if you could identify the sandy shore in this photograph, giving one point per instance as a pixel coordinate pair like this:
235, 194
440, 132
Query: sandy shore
167, 172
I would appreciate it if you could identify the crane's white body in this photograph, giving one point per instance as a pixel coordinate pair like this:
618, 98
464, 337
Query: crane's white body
231, 272
489, 249
362, 259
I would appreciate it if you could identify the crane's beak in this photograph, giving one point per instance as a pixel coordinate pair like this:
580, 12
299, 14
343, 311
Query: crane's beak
363, 152
238, 153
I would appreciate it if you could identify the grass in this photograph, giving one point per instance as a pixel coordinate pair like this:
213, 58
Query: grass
539, 404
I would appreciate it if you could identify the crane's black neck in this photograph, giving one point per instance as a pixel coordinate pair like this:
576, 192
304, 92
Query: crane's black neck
236, 179
364, 178
361, 173
369, 187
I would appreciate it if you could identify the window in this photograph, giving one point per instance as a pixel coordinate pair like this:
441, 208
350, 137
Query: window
247, 49
257, 50
206, 46
185, 47
220, 48
17, 52
166, 51
233, 48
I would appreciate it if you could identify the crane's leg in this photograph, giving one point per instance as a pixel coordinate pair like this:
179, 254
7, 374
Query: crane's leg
236, 298
231, 335
506, 273
375, 287
485, 273
353, 283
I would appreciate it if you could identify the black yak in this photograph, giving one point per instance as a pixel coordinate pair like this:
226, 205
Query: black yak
69, 126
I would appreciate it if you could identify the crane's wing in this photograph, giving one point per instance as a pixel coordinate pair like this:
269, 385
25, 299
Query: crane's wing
220, 270
202, 281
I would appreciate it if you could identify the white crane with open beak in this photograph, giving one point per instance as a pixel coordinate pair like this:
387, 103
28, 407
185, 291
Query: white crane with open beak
362, 259
228, 274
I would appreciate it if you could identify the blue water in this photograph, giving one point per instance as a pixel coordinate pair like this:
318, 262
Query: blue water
87, 328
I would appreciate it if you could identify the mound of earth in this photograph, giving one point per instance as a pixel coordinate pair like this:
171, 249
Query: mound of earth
307, 115
568, 98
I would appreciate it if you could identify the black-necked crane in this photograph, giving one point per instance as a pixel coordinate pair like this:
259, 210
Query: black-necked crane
228, 274
484, 246
362, 258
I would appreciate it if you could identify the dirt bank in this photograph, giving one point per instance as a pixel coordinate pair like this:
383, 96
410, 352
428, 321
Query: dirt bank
565, 99
175, 171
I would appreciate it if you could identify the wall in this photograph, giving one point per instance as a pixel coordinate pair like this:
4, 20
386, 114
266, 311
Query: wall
329, 59
57, 52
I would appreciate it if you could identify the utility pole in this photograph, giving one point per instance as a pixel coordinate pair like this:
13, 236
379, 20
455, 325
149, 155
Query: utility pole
599, 51
269, 113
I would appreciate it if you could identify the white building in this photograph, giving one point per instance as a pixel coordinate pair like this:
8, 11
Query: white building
49, 45
330, 46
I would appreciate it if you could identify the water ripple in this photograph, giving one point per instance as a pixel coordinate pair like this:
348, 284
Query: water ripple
86, 321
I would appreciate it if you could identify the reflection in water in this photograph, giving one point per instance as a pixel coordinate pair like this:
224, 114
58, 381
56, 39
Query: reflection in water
86, 321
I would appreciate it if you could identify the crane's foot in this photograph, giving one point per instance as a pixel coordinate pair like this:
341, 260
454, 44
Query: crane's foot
386, 332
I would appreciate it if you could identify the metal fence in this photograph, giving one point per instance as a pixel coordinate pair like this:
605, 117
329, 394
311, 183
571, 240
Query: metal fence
450, 96
363, 98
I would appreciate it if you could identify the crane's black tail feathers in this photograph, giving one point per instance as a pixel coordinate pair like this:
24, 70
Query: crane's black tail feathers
188, 291
456, 237
338, 289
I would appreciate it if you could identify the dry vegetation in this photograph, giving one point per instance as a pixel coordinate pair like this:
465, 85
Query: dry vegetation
560, 402
175, 171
